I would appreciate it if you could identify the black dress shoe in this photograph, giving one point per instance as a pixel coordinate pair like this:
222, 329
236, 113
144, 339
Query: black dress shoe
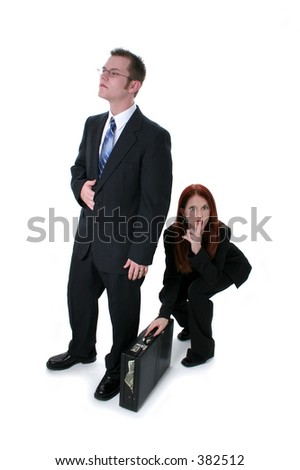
65, 361
184, 335
108, 388
192, 359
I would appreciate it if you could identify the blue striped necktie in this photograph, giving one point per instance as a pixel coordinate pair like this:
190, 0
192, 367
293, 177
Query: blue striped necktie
107, 145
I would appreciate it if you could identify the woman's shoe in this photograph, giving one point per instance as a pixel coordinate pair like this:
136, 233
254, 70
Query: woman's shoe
191, 363
192, 359
184, 335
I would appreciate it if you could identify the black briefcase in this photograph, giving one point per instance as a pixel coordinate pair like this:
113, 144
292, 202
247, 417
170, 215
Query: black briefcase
143, 364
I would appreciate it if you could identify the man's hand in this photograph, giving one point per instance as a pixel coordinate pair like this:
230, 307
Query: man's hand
87, 194
135, 271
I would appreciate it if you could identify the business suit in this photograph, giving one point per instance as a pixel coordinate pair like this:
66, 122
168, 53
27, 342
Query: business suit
132, 196
187, 296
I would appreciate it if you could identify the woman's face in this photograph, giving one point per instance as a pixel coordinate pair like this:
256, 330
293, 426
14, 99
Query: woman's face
197, 212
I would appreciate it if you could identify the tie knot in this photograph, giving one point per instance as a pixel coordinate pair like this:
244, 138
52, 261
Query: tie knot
112, 124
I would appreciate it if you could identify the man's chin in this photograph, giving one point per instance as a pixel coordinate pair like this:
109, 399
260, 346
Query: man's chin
102, 92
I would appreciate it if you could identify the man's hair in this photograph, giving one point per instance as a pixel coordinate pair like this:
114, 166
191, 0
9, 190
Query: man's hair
136, 69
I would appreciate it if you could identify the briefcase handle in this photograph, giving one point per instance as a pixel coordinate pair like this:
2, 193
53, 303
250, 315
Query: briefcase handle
150, 337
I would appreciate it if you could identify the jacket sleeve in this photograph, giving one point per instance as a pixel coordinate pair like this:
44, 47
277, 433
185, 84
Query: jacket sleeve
171, 280
155, 190
211, 270
78, 170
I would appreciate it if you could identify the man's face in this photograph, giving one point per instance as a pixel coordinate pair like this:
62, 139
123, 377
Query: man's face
115, 88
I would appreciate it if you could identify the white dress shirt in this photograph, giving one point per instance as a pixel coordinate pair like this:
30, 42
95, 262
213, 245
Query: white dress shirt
121, 120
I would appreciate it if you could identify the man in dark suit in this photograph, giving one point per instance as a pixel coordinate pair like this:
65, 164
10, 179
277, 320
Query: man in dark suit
122, 178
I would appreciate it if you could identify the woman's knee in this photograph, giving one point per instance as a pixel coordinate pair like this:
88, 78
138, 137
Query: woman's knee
197, 291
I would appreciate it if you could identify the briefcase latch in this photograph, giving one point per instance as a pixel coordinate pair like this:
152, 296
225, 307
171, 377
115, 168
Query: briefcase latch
138, 347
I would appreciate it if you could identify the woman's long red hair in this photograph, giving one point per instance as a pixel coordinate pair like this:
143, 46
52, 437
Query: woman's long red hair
211, 236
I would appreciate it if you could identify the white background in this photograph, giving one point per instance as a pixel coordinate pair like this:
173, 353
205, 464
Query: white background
226, 73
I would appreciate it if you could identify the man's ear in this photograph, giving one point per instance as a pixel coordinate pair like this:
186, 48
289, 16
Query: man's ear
134, 86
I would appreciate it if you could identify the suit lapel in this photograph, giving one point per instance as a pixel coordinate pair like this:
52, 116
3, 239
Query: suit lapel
125, 142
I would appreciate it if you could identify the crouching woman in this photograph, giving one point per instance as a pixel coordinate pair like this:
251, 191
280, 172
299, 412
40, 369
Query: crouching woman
200, 262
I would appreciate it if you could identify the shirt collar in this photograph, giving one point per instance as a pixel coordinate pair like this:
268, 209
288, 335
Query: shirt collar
122, 118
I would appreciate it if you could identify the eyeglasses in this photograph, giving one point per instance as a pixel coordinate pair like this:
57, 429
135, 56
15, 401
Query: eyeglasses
112, 73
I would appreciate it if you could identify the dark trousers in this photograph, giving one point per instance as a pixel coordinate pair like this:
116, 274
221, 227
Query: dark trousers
86, 284
196, 314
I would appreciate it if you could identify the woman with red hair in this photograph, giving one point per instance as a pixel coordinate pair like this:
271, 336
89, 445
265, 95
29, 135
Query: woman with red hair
200, 262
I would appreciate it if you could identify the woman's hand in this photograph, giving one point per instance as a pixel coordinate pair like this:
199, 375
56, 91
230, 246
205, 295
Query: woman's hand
159, 323
194, 236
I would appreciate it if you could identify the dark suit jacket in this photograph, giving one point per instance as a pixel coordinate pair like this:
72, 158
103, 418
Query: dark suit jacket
228, 259
132, 196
